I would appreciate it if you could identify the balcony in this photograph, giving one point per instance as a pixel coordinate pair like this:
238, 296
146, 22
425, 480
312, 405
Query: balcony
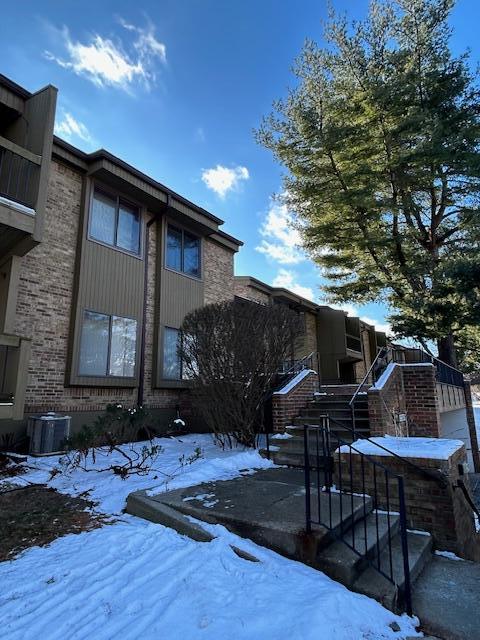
14, 358
26, 135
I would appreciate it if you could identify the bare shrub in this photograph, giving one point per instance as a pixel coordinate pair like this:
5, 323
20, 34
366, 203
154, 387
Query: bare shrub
231, 352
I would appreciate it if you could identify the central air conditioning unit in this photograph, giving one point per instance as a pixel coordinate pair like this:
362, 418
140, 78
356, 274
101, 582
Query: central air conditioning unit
48, 433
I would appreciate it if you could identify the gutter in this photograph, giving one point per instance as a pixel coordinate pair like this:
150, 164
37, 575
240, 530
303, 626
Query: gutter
141, 373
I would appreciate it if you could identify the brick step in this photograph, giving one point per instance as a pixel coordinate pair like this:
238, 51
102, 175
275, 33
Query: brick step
341, 563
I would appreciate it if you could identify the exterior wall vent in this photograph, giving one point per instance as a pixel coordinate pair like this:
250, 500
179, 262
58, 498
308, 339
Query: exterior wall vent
48, 433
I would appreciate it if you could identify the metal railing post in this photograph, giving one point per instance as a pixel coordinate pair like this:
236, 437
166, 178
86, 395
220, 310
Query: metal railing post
308, 515
404, 540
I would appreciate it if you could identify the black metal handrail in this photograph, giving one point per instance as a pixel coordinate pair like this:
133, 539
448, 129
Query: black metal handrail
351, 497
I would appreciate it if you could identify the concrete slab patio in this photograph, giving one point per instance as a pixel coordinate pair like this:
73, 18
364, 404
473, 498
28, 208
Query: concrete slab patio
446, 598
267, 506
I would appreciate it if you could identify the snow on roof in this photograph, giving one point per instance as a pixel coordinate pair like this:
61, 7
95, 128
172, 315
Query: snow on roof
435, 448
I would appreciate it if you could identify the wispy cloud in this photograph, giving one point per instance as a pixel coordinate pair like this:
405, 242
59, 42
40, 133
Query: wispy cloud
281, 241
114, 62
288, 280
199, 135
221, 179
70, 128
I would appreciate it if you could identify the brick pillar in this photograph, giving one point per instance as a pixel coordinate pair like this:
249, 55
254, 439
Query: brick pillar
471, 426
421, 402
287, 403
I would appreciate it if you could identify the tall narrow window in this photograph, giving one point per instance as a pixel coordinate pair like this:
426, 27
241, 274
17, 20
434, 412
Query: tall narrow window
172, 366
102, 225
183, 252
94, 344
191, 255
123, 347
107, 346
128, 233
174, 249
115, 222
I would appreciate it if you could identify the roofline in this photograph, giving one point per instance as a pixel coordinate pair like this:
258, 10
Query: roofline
230, 238
100, 154
16, 88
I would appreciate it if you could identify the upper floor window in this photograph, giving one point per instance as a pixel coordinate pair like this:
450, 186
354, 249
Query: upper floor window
183, 252
107, 345
115, 222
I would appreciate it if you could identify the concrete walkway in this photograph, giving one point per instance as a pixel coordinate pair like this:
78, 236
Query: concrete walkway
268, 507
446, 598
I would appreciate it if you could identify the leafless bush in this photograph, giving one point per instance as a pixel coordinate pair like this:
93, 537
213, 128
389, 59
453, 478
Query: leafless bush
231, 352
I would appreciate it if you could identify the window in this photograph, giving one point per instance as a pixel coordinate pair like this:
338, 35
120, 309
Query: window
172, 365
183, 252
115, 222
107, 346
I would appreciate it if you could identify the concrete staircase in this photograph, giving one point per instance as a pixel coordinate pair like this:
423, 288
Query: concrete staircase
289, 450
359, 573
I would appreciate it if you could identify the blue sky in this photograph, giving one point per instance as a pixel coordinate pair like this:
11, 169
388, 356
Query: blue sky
175, 88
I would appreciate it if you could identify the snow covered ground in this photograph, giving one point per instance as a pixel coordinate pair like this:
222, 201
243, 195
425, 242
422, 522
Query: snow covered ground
133, 579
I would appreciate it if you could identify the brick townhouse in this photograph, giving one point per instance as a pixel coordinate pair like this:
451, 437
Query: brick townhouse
99, 264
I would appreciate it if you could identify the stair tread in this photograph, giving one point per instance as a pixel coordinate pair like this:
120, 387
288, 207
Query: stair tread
374, 585
342, 563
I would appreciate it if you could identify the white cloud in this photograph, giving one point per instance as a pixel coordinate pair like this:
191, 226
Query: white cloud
70, 128
222, 179
108, 63
199, 135
287, 280
281, 241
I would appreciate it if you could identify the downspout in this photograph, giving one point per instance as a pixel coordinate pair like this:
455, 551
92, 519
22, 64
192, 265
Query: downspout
141, 373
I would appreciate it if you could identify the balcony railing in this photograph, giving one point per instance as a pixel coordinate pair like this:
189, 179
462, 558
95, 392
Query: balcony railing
354, 343
19, 173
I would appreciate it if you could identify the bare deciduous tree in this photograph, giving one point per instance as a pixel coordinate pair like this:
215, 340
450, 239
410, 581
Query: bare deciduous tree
231, 352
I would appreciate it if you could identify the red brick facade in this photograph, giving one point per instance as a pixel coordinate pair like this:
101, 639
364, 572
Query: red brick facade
286, 406
409, 390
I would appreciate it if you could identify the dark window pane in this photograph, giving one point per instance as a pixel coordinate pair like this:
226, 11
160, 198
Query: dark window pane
102, 223
128, 232
171, 360
123, 347
174, 249
191, 255
94, 344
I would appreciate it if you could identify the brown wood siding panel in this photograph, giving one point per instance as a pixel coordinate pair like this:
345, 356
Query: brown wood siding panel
179, 295
176, 295
111, 282
134, 180
11, 100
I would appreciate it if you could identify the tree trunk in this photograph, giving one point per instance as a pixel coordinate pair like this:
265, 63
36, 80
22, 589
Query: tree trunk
447, 351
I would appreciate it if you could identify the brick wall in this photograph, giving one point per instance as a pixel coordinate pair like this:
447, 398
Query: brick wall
286, 406
250, 293
307, 343
45, 300
217, 272
430, 506
409, 389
